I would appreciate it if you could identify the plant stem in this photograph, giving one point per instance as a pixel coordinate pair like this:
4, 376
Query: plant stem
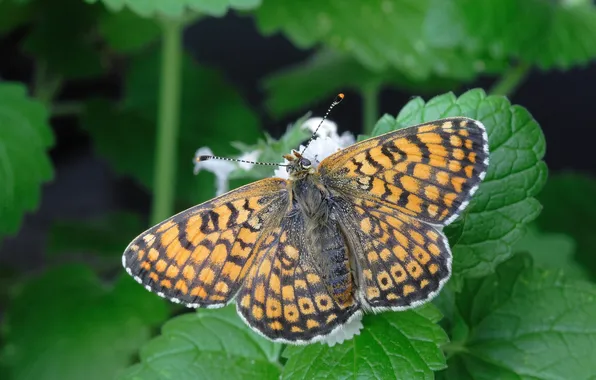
168, 121
370, 97
67, 108
511, 80
45, 87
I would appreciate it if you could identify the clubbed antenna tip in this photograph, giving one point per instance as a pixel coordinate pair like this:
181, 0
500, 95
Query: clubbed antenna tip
335, 102
205, 158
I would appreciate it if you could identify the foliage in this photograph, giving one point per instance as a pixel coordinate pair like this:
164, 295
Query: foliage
559, 31
102, 237
329, 72
25, 137
555, 338
74, 57
520, 303
570, 197
428, 44
371, 37
67, 325
209, 344
401, 345
554, 251
177, 8
134, 121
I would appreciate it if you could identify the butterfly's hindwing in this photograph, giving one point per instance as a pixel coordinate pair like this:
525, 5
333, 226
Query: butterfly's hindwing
402, 262
429, 171
286, 296
200, 256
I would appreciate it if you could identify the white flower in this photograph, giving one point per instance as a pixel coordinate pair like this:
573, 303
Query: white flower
248, 156
346, 139
223, 168
326, 142
327, 129
345, 332
220, 168
281, 171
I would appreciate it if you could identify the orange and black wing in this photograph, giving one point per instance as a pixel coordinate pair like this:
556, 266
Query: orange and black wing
429, 171
201, 256
402, 262
286, 296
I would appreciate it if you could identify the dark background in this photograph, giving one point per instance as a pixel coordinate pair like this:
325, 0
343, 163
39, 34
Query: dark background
85, 187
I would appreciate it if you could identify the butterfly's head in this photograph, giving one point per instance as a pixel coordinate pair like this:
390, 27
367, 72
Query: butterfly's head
298, 165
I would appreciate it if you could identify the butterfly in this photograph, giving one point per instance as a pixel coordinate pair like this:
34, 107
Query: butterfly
301, 257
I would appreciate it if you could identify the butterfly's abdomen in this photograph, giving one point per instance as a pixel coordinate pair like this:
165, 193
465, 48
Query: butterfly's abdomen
326, 243
334, 257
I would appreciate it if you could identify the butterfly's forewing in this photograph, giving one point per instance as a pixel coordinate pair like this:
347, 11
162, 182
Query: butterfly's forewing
399, 189
200, 256
285, 296
428, 171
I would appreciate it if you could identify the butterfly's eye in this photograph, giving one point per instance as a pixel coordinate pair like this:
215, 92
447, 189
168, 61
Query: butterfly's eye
305, 163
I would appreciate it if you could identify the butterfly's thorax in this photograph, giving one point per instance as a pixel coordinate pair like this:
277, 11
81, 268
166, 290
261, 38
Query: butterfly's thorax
327, 248
310, 197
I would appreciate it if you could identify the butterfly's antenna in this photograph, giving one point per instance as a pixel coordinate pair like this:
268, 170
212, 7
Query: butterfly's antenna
335, 102
205, 158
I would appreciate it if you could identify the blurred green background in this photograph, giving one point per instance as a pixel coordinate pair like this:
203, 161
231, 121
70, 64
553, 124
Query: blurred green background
103, 104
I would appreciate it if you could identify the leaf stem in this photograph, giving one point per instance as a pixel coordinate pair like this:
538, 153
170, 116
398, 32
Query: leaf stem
511, 80
370, 98
168, 121
454, 348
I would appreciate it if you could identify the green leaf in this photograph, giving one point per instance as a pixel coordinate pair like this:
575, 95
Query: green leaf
25, 137
178, 8
212, 114
126, 32
552, 251
379, 34
107, 236
385, 124
550, 34
127, 140
392, 345
525, 323
67, 325
570, 208
504, 203
209, 344
62, 38
326, 73
13, 15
